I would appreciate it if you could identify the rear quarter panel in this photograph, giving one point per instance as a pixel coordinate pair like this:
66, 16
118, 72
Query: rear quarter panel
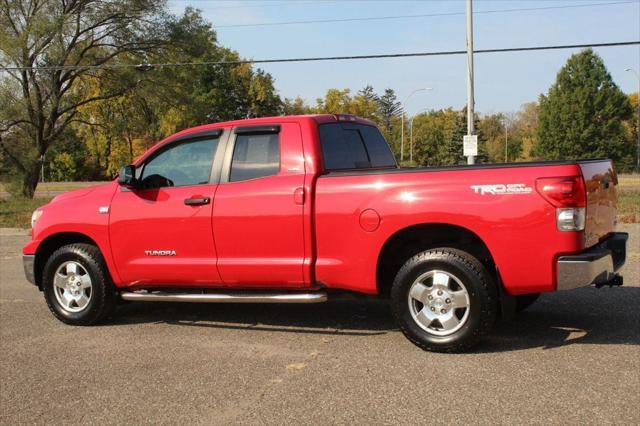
519, 229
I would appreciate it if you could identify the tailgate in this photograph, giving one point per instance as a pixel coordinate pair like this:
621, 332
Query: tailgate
600, 182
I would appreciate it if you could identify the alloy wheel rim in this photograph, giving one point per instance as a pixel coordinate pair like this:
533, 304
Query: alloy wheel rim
72, 286
439, 302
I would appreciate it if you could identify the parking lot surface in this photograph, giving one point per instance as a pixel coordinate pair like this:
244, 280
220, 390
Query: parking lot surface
572, 357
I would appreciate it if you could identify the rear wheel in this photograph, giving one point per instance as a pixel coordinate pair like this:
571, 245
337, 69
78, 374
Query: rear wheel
444, 300
77, 286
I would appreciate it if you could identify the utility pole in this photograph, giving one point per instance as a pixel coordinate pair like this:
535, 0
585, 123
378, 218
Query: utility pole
470, 102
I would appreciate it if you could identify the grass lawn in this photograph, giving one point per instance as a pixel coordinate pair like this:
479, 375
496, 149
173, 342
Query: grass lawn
629, 205
16, 212
57, 186
629, 180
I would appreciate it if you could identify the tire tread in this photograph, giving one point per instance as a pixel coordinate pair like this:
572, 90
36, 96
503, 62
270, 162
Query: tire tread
489, 310
107, 296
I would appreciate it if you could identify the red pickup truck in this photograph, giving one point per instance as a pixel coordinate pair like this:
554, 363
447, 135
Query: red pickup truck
298, 209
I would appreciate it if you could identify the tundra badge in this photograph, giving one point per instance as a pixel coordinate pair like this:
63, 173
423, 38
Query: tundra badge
160, 252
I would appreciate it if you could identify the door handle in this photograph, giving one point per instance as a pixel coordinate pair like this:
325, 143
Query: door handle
197, 201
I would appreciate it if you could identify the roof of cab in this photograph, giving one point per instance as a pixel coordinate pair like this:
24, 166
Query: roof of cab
318, 118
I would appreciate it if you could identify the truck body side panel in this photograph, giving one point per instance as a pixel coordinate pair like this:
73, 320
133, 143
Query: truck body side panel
519, 228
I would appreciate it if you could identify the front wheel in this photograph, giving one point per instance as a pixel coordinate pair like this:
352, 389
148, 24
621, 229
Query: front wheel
77, 286
444, 300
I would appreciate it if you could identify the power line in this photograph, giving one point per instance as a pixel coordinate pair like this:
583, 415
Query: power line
321, 58
426, 15
255, 6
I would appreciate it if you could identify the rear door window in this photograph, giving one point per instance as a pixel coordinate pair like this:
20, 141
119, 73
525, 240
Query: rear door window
348, 146
255, 156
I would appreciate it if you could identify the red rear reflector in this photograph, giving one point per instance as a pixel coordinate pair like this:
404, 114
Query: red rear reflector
563, 191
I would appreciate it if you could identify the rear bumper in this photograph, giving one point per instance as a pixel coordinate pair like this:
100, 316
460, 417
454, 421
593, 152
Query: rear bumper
594, 266
28, 262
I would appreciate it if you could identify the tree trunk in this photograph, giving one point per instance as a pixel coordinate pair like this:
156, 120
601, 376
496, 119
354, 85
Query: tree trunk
30, 179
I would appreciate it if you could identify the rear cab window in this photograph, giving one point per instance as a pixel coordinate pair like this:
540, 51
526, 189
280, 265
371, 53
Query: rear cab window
354, 146
255, 155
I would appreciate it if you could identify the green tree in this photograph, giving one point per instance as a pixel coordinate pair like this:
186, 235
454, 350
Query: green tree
365, 104
39, 105
493, 127
63, 167
582, 115
500, 136
430, 130
188, 96
525, 126
450, 152
335, 101
263, 97
631, 161
296, 106
169, 99
389, 109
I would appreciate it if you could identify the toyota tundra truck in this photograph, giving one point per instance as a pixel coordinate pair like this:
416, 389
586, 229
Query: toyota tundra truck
301, 209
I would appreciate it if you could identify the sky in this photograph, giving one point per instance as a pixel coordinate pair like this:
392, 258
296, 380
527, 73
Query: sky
503, 81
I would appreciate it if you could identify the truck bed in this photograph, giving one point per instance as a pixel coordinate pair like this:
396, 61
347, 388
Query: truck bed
520, 228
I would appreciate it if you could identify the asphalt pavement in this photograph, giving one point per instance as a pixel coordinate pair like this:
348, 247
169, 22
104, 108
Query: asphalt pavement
573, 357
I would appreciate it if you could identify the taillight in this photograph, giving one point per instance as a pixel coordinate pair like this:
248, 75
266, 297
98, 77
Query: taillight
563, 191
568, 195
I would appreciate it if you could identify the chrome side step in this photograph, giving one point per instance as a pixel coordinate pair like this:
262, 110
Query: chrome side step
237, 297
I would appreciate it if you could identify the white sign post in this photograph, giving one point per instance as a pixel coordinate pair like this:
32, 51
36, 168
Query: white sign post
470, 145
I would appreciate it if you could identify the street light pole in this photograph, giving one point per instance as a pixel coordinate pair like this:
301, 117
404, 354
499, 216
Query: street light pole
402, 120
470, 101
638, 120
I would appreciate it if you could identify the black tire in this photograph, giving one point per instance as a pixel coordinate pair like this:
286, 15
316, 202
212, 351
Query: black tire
102, 298
482, 299
525, 300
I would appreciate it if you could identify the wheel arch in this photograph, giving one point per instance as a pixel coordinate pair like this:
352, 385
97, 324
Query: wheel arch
409, 241
53, 242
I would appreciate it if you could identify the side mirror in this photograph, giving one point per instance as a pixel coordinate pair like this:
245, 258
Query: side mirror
127, 176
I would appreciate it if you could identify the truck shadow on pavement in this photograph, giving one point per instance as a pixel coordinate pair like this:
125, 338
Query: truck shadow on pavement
607, 316
584, 316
